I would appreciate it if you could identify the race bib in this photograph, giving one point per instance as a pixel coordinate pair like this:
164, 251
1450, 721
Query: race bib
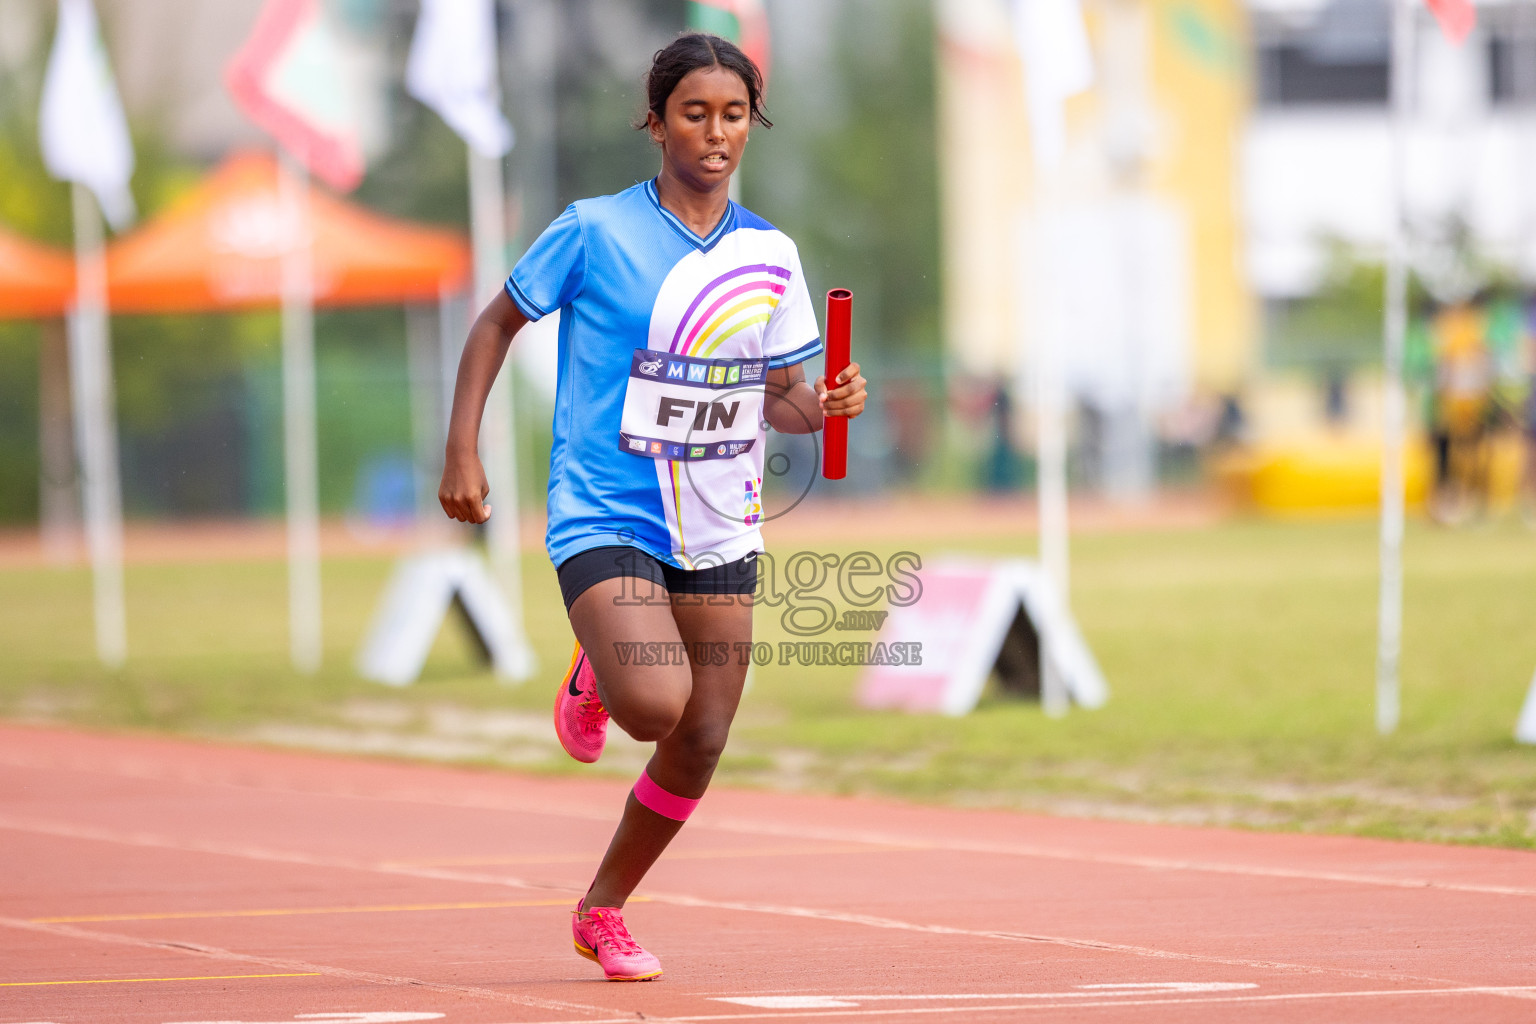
680, 407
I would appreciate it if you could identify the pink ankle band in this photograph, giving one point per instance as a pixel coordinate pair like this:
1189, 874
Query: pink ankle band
668, 805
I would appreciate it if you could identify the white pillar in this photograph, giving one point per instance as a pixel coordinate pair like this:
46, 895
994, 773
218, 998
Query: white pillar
1394, 399
301, 472
95, 405
453, 308
498, 444
1048, 387
58, 488
1525, 728
424, 365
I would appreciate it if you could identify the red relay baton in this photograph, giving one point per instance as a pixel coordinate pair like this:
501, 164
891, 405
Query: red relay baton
834, 431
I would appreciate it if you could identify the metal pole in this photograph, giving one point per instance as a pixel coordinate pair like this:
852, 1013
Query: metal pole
58, 502
1050, 425
488, 220
1394, 399
301, 459
421, 340
1127, 469
451, 331
95, 408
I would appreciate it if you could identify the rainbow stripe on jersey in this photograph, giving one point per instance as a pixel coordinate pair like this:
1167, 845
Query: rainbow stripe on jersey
738, 300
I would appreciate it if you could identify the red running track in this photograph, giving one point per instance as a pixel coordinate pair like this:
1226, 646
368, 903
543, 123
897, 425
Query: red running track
158, 881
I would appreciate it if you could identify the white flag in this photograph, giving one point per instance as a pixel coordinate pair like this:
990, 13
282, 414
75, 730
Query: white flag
83, 131
452, 69
1053, 43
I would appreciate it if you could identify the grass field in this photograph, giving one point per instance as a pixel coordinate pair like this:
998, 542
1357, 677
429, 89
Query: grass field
1241, 660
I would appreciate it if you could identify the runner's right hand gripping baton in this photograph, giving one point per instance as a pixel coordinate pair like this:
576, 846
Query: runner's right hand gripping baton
834, 433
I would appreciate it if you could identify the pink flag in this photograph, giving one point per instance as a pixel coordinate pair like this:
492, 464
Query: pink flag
1456, 17
743, 22
287, 79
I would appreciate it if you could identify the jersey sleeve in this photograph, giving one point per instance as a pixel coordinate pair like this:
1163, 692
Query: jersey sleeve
552, 271
792, 335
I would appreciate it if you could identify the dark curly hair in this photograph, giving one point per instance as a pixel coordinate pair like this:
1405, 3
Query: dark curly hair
691, 51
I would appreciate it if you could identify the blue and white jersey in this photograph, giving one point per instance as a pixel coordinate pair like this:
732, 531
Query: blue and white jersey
665, 342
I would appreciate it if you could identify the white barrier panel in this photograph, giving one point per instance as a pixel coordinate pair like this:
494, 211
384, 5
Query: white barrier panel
974, 618
1525, 729
419, 597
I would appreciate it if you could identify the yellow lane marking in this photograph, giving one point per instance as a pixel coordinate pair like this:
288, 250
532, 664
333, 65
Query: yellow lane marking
121, 981
744, 851
293, 911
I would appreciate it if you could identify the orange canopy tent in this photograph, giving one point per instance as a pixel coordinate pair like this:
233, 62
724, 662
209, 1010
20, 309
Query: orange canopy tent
221, 247
35, 281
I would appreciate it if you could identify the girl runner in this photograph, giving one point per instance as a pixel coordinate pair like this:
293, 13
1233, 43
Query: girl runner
684, 320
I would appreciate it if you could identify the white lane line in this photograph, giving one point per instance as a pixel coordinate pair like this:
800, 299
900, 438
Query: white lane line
1522, 991
1151, 952
1127, 989
742, 826
1112, 987
364, 1017
69, 830
1167, 864
216, 953
683, 900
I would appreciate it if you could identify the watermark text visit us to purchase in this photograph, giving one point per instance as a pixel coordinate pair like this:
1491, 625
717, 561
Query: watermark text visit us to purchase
815, 593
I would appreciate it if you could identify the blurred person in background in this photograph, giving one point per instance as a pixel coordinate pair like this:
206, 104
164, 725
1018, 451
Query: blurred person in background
1528, 418
1463, 408
1420, 360
1003, 470
1508, 340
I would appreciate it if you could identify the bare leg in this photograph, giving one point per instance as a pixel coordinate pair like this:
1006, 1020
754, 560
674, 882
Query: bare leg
645, 701
685, 758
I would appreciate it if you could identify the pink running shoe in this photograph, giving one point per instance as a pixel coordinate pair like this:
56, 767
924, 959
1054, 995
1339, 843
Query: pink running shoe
581, 721
600, 935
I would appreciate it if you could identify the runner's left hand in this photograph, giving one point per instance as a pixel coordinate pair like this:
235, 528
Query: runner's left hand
848, 398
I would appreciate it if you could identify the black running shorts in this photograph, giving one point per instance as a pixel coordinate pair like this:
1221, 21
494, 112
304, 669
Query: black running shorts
594, 565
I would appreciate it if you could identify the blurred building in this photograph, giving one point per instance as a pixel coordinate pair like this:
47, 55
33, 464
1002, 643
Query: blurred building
1318, 207
1146, 246
1229, 167
1316, 152
1317, 163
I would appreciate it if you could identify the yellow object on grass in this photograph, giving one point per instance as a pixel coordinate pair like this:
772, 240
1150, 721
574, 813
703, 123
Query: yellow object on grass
1321, 473
1325, 473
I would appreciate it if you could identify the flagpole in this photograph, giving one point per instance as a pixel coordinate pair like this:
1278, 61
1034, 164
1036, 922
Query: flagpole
59, 517
90, 367
300, 457
1057, 63
488, 219
451, 330
1050, 424
422, 332
1394, 404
